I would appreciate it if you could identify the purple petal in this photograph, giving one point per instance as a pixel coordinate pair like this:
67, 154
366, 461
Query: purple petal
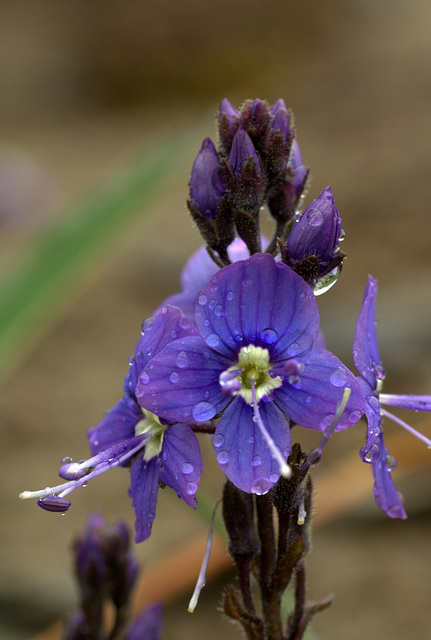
147, 626
365, 349
257, 301
181, 462
167, 325
370, 452
181, 383
144, 484
230, 112
206, 189
318, 230
242, 149
54, 504
277, 106
241, 450
117, 425
385, 493
312, 400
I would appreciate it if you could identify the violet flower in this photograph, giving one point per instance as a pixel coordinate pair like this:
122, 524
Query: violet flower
312, 248
367, 361
129, 435
206, 189
256, 366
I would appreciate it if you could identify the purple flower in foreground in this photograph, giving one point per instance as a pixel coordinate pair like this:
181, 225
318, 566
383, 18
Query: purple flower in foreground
129, 435
367, 361
255, 364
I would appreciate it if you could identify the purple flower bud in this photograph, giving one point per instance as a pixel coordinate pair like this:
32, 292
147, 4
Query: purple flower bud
277, 106
243, 151
206, 189
54, 504
231, 114
297, 169
148, 625
281, 123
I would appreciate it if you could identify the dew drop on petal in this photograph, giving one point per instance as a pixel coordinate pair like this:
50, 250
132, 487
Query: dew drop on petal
218, 440
229, 296
268, 336
391, 463
214, 285
251, 440
314, 217
257, 461
191, 488
371, 455
212, 340
261, 486
203, 411
338, 377
174, 377
238, 338
212, 304
326, 420
218, 310
202, 299
223, 457
182, 360
308, 399
144, 377
246, 279
355, 416
206, 322
293, 349
68, 459
274, 477
373, 402
187, 468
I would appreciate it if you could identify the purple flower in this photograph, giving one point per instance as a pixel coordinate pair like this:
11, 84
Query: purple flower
312, 248
367, 361
129, 435
258, 323
243, 154
147, 626
206, 189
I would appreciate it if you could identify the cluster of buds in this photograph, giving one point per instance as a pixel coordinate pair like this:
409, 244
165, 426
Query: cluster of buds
258, 163
106, 572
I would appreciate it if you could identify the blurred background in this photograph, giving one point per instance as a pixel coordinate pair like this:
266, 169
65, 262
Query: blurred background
103, 106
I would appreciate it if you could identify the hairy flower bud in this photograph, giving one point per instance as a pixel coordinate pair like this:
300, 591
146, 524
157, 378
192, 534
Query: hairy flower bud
206, 189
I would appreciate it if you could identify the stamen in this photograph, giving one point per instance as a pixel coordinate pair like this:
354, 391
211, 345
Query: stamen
99, 464
302, 514
203, 571
406, 426
229, 382
315, 455
285, 470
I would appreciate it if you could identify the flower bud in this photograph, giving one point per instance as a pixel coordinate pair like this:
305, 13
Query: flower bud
206, 189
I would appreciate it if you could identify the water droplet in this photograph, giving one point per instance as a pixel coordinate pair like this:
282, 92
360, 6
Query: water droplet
174, 334
212, 304
338, 377
314, 458
327, 282
174, 377
130, 360
308, 399
238, 338
326, 420
268, 336
191, 488
395, 511
373, 402
146, 326
218, 310
251, 440
218, 440
84, 484
342, 235
149, 352
379, 372
371, 455
182, 360
202, 299
206, 395
164, 455
203, 411
261, 486
391, 463
229, 296
246, 279
355, 416
257, 461
297, 217
206, 322
314, 217
67, 459
214, 285
223, 457
295, 381
144, 378
293, 349
187, 468
212, 340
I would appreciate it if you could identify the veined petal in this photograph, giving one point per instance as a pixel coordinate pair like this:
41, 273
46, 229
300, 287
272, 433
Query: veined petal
257, 301
365, 349
311, 401
117, 425
385, 493
144, 484
181, 383
167, 325
416, 403
241, 449
181, 462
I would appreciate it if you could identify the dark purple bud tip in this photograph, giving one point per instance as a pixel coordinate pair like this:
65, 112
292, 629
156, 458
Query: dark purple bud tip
54, 504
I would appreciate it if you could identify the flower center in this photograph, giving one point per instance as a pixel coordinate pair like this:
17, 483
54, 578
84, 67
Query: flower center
150, 424
254, 366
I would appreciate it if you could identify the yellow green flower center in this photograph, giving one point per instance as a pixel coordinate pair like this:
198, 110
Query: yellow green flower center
255, 366
150, 424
